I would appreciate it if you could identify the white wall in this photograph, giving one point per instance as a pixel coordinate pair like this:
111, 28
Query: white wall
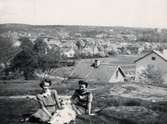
158, 62
116, 78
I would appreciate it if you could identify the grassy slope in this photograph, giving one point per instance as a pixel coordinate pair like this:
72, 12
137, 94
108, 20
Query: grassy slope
117, 109
123, 103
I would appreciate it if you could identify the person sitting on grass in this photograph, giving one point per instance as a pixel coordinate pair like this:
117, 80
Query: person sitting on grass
82, 99
48, 101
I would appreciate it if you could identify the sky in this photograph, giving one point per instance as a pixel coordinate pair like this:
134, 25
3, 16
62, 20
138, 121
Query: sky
131, 13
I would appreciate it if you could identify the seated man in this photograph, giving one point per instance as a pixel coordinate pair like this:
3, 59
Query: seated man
82, 99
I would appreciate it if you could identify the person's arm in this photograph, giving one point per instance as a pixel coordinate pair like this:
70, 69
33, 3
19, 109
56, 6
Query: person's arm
73, 97
57, 100
43, 106
89, 105
47, 112
31, 97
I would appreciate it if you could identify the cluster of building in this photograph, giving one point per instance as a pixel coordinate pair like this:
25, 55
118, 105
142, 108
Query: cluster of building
102, 45
108, 72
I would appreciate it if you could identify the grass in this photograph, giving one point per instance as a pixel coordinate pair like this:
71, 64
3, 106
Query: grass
8, 88
22, 87
11, 110
125, 111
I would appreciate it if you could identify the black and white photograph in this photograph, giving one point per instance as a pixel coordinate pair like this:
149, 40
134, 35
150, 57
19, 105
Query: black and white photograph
83, 62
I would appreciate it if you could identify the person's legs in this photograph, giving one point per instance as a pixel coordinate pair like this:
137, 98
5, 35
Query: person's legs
40, 116
72, 122
33, 119
79, 110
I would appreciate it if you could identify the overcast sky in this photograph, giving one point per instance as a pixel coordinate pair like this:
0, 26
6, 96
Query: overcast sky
137, 13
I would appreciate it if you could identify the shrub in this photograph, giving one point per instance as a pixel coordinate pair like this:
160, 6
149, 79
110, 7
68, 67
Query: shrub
132, 103
151, 74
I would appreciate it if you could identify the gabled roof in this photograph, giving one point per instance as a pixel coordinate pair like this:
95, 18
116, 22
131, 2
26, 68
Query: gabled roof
66, 49
103, 73
49, 37
129, 69
153, 51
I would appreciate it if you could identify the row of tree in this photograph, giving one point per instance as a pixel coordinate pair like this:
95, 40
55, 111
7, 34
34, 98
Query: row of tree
33, 56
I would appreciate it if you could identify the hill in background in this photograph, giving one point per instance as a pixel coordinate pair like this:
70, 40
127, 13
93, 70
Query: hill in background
74, 31
101, 40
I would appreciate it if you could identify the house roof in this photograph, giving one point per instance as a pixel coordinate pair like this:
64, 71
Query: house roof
129, 69
102, 73
158, 53
65, 49
49, 37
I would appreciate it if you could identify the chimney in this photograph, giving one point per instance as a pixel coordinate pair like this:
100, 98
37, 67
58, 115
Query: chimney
96, 63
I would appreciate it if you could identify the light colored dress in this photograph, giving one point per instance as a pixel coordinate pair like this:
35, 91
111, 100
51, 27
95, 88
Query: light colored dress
80, 101
50, 102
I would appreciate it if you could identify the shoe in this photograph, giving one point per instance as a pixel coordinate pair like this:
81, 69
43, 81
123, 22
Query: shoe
24, 119
72, 122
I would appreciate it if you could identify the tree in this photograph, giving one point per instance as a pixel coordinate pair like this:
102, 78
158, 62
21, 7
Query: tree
151, 74
6, 49
34, 57
40, 46
45, 56
7, 53
81, 44
26, 60
26, 44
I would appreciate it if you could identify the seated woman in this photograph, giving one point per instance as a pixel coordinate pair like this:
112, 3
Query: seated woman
82, 99
48, 101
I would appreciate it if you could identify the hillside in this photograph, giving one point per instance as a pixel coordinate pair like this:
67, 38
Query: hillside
119, 103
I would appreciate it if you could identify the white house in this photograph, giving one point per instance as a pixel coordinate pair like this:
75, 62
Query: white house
155, 58
51, 41
68, 52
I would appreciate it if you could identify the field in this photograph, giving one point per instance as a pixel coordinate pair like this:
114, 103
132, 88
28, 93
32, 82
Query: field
113, 103
119, 103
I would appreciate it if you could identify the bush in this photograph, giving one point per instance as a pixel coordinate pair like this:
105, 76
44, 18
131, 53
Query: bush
159, 106
151, 74
132, 103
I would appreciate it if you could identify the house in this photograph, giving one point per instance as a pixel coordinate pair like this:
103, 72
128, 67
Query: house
68, 52
51, 41
90, 50
118, 75
129, 70
155, 58
102, 73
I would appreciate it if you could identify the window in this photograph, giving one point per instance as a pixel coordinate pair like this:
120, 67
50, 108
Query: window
153, 58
